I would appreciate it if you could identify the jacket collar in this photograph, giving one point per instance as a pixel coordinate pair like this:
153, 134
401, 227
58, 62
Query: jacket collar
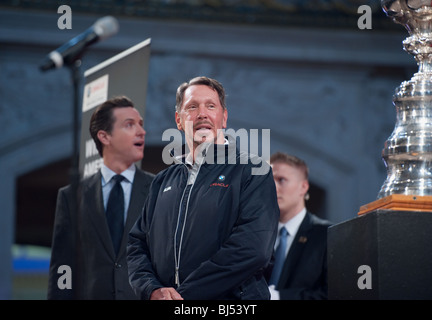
208, 152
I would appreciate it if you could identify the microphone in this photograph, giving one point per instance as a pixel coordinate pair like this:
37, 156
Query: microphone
71, 51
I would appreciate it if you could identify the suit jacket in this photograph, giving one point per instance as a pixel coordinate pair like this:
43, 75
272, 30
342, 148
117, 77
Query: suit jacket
82, 241
304, 274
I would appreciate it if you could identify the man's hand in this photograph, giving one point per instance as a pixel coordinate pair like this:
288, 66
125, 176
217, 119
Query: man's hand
165, 294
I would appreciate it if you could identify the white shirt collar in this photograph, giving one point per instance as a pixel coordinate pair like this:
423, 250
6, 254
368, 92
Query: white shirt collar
294, 223
107, 174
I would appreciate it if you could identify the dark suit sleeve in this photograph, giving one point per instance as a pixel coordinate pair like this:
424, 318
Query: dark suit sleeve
307, 293
62, 250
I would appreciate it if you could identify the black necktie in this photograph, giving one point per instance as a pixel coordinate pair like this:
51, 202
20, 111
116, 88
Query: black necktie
115, 212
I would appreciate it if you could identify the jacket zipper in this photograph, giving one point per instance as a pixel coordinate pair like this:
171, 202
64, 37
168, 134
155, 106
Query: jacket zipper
178, 255
177, 252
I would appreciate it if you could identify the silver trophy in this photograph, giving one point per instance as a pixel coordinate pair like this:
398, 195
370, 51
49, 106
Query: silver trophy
407, 153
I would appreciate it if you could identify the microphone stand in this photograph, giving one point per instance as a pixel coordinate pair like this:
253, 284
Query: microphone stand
75, 176
76, 77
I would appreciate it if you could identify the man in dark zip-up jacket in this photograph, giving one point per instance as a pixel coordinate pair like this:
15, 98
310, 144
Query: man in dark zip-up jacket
209, 224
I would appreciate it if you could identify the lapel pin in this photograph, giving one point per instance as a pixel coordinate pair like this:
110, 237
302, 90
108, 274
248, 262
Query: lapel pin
302, 239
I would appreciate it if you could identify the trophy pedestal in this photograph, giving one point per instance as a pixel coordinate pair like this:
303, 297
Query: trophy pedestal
381, 255
399, 202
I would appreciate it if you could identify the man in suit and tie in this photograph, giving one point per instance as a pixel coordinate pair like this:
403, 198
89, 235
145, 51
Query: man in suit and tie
300, 265
90, 241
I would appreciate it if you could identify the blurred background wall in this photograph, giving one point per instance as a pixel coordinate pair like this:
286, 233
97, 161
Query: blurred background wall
302, 69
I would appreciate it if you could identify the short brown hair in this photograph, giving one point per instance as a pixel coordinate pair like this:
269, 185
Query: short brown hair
103, 119
212, 83
280, 157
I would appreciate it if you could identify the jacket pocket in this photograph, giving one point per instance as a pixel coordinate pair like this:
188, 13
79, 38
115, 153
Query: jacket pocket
254, 289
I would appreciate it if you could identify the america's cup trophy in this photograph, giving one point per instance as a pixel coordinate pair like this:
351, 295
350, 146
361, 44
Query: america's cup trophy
407, 153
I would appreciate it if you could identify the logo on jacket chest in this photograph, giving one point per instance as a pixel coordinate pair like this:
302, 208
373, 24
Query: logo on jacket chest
219, 182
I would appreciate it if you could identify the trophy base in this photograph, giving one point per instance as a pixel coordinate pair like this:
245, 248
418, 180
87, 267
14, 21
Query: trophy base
399, 202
